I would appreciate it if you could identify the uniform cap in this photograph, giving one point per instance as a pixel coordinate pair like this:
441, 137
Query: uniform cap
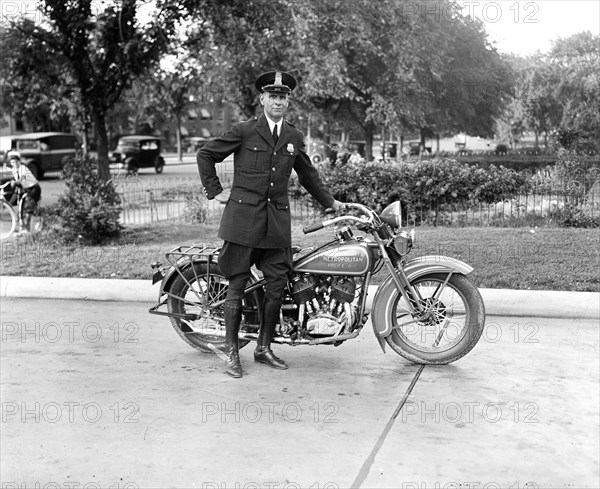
275, 81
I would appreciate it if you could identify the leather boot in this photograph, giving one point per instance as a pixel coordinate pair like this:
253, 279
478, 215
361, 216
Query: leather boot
263, 352
233, 317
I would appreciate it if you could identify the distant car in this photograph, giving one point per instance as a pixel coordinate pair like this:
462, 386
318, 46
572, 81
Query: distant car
44, 151
135, 152
194, 143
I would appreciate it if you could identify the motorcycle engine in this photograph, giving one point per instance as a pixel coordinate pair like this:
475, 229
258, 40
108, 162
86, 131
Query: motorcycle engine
326, 301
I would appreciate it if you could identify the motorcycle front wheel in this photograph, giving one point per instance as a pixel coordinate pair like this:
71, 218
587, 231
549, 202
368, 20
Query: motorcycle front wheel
192, 292
452, 323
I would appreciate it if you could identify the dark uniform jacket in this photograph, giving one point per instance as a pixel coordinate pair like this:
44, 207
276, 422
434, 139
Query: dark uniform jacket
258, 212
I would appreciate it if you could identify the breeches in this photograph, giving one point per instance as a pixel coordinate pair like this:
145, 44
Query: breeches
236, 260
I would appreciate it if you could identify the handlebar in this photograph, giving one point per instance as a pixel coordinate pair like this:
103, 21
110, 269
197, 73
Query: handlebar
372, 218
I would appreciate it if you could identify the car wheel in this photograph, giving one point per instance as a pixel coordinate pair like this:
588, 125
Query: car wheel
159, 164
131, 166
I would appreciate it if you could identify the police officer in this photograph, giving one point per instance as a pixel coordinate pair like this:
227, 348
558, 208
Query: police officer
256, 223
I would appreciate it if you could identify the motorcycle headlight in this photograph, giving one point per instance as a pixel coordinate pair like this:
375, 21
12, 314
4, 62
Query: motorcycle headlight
403, 242
392, 215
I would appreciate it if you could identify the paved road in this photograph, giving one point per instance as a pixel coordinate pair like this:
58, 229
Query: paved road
104, 394
53, 187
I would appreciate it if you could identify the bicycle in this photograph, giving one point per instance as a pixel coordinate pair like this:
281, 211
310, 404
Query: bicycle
9, 219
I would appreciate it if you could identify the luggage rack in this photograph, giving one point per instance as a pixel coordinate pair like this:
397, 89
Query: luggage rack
181, 258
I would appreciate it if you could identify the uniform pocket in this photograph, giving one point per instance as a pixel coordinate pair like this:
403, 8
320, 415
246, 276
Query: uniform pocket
254, 157
244, 197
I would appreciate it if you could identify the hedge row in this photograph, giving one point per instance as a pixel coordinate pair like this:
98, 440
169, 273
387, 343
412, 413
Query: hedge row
421, 185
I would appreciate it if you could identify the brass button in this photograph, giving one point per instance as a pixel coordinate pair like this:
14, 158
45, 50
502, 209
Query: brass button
268, 200
271, 184
273, 168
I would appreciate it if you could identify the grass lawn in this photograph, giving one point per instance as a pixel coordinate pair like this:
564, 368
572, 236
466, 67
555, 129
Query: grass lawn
515, 258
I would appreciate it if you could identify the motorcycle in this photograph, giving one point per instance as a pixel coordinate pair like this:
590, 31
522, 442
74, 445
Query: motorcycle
426, 309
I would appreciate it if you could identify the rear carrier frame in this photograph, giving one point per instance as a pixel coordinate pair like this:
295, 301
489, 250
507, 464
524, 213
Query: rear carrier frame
180, 259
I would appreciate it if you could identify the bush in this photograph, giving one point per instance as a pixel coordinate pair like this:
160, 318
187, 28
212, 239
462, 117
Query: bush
196, 208
423, 186
89, 210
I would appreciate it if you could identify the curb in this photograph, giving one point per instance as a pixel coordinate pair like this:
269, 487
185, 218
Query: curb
498, 302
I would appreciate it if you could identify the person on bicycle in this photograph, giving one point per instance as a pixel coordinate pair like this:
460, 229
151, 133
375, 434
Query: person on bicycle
32, 191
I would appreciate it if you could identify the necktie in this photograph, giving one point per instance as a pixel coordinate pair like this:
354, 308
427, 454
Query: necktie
275, 136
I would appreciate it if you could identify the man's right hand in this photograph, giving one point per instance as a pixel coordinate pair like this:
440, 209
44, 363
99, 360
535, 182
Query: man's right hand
223, 197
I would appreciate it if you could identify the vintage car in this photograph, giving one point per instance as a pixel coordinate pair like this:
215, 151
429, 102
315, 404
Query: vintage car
135, 152
44, 151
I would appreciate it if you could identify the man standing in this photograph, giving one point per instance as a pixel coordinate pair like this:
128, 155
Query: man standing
256, 222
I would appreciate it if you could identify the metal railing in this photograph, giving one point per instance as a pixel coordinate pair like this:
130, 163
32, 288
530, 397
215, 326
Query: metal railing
180, 200
547, 203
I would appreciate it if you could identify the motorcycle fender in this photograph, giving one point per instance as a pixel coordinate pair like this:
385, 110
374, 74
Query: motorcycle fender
387, 292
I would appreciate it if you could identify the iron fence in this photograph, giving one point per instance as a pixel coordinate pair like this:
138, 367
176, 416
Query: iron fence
181, 200
548, 202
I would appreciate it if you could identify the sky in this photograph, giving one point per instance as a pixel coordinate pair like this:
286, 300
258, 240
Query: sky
524, 27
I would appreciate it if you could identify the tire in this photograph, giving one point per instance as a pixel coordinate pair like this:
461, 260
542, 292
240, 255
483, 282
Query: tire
455, 325
159, 164
131, 166
180, 289
8, 220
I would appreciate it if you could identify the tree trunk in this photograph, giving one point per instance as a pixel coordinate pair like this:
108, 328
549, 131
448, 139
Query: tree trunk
102, 142
179, 149
369, 130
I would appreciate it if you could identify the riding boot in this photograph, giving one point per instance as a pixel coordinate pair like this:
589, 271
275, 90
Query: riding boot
233, 318
263, 352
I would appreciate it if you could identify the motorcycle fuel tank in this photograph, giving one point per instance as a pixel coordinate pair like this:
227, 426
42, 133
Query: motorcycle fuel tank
337, 259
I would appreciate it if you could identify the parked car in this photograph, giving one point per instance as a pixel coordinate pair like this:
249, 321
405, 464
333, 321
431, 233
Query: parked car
44, 151
194, 143
135, 152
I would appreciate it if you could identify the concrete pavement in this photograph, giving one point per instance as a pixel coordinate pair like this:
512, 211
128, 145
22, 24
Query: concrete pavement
102, 394
501, 302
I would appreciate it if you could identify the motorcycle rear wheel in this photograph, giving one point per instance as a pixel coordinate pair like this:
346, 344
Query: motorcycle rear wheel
189, 293
455, 324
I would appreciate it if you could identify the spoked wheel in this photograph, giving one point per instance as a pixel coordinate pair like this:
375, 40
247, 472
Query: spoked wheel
159, 164
451, 325
8, 220
192, 293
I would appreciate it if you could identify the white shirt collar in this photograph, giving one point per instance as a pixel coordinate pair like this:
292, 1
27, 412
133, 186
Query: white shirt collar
272, 123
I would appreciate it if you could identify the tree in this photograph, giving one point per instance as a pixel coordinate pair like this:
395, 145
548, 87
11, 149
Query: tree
101, 52
575, 62
463, 83
26, 80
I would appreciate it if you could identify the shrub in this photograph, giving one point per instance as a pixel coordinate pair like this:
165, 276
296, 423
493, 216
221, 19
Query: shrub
423, 186
88, 212
196, 208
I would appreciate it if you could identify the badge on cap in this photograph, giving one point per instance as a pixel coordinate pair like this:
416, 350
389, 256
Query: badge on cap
290, 148
278, 78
